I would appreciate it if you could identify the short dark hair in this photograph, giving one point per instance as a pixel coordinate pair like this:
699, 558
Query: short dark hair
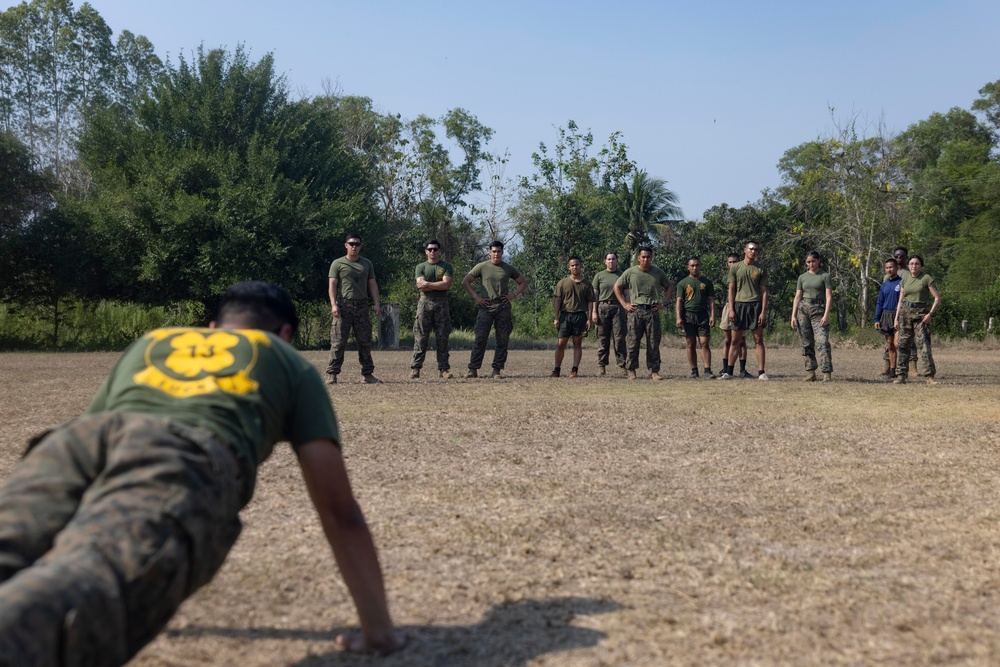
352, 235
918, 258
733, 255
262, 305
893, 260
576, 257
898, 248
611, 252
496, 244
695, 258
434, 241
642, 249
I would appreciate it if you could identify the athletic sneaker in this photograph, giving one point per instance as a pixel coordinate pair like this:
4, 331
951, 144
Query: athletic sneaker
725, 376
763, 376
574, 372
708, 375
746, 376
555, 372
693, 376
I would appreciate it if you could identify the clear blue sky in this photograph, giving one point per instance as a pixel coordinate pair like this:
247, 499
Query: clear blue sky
708, 95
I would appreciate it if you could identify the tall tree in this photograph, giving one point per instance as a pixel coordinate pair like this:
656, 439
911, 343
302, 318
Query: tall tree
649, 206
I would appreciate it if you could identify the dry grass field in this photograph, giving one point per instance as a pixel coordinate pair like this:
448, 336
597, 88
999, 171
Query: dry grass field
593, 521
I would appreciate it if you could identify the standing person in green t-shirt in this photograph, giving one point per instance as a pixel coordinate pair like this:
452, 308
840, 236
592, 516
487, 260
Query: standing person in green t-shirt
609, 315
748, 305
112, 520
494, 309
902, 256
649, 291
696, 315
433, 313
913, 320
573, 305
352, 278
726, 324
810, 315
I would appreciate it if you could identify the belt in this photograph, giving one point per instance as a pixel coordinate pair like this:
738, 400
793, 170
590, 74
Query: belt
354, 300
814, 301
610, 302
645, 306
424, 297
914, 304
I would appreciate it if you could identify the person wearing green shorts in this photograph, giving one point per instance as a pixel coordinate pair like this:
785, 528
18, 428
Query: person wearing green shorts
748, 306
573, 305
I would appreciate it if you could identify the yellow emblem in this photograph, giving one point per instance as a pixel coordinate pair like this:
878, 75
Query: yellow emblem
200, 363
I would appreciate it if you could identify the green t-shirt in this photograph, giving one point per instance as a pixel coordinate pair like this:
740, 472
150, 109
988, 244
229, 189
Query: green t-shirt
814, 285
916, 290
696, 292
575, 295
750, 279
604, 283
249, 387
353, 277
433, 273
646, 288
495, 277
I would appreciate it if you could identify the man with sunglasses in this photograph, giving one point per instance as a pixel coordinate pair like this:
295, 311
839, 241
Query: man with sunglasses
748, 305
352, 278
434, 279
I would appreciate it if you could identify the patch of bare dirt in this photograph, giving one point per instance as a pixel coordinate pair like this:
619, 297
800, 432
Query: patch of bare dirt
593, 521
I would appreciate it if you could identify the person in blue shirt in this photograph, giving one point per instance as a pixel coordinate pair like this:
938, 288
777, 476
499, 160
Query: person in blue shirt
885, 312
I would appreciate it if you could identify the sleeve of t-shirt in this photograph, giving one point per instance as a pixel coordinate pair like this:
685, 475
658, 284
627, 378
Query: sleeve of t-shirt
371, 272
798, 283
827, 281
333, 270
514, 273
311, 416
710, 289
416, 271
731, 276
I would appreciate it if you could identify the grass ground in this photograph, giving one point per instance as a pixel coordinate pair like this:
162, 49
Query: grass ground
533, 521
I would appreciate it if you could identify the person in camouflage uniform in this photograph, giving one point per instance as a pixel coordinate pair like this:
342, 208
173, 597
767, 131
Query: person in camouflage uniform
352, 277
609, 315
494, 309
810, 315
649, 291
913, 320
433, 279
111, 521
901, 255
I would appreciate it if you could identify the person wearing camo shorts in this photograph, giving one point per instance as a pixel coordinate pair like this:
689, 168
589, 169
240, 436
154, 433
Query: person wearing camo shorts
494, 310
433, 279
609, 316
352, 278
112, 520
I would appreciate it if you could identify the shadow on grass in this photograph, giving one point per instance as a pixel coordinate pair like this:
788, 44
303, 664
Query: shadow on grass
510, 635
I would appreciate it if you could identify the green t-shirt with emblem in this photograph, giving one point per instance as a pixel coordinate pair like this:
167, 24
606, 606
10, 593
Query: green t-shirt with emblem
248, 387
814, 285
495, 277
695, 293
433, 273
575, 295
353, 277
604, 283
646, 288
750, 280
916, 290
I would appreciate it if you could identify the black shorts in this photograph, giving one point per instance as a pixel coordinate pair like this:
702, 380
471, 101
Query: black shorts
696, 324
887, 322
746, 315
572, 325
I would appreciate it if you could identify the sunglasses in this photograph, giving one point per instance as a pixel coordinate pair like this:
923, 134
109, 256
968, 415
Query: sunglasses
432, 249
353, 244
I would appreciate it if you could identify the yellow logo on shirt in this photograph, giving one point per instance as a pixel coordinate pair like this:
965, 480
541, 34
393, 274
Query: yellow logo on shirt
195, 363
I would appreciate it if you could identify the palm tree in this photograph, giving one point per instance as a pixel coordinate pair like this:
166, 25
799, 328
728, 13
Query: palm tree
649, 206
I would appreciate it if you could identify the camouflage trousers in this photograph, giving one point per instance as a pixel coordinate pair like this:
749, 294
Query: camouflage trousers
432, 315
914, 334
498, 317
353, 317
106, 526
611, 327
813, 336
885, 352
643, 323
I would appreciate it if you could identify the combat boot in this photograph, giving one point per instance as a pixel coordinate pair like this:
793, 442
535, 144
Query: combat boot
446, 375
601, 371
472, 373
630, 375
415, 374
900, 377
828, 377
656, 376
810, 376
886, 372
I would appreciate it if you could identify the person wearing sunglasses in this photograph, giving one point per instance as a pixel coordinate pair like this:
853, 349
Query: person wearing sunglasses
434, 279
352, 279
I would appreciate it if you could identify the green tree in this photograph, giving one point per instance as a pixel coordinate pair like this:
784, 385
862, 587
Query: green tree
650, 207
